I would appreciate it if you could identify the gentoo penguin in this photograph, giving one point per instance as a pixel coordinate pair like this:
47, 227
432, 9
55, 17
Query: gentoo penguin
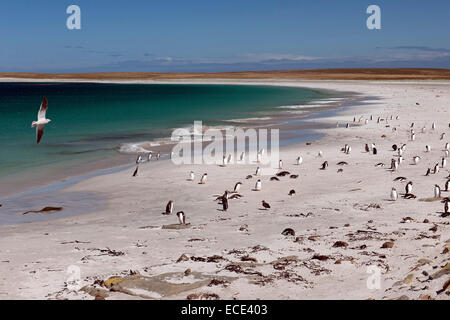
366, 121
158, 155
446, 153
265, 205
349, 149
378, 120
413, 136
446, 208
436, 168
437, 191
400, 152
394, 165
368, 149
225, 202
428, 172
139, 159
136, 171
299, 160
443, 163
394, 147
400, 160
424, 129
412, 125
428, 148
169, 207
241, 158
394, 194
224, 161
258, 185
442, 135
408, 188
149, 156
324, 165
181, 217
292, 192
191, 176
237, 186
447, 147
416, 160
172, 154
354, 119
320, 154
374, 151
258, 157
230, 158
258, 171
204, 178
433, 126
447, 185
280, 164
371, 117
347, 125
262, 151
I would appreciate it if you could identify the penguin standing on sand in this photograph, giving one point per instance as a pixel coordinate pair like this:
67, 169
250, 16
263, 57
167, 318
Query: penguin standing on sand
258, 171
436, 168
136, 171
169, 207
204, 178
394, 194
443, 163
191, 176
437, 191
299, 160
324, 165
408, 188
447, 185
225, 202
258, 185
237, 186
139, 159
181, 217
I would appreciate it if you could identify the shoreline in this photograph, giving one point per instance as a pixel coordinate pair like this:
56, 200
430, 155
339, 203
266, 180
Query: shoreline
16, 186
351, 207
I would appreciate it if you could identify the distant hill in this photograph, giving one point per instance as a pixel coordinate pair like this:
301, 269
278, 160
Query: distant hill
316, 74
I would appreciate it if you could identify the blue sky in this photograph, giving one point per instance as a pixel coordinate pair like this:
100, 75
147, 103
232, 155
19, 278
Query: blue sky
217, 35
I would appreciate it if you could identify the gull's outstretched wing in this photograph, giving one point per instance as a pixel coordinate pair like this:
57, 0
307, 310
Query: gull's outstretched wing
39, 132
43, 109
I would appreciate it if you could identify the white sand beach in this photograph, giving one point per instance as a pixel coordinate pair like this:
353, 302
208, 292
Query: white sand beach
341, 219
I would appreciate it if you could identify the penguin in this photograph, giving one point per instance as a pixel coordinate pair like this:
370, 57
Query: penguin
349, 149
374, 151
394, 194
324, 165
191, 176
424, 129
172, 154
433, 126
230, 158
428, 172
428, 148
366, 121
224, 161
437, 191
258, 185
408, 188
436, 168
139, 159
258, 157
292, 192
442, 135
204, 178
368, 149
149, 156
394, 147
237, 186
378, 120
241, 158
158, 155
394, 165
412, 125
447, 146
280, 164
400, 151
225, 202
258, 171
169, 207
416, 160
320, 154
181, 217
446, 153
400, 160
413, 136
262, 151
443, 163
446, 212
299, 160
136, 171
265, 205
347, 125
447, 185
371, 117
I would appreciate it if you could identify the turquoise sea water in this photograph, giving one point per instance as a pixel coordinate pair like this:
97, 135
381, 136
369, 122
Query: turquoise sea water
91, 121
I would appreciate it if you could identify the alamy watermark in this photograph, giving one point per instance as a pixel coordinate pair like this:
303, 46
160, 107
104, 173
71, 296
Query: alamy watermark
73, 22
226, 146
